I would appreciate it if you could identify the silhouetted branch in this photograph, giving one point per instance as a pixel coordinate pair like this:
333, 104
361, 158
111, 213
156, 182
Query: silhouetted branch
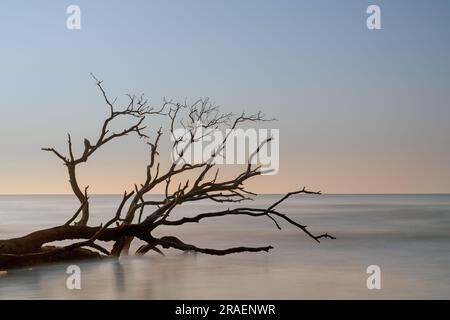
173, 242
254, 212
198, 120
76, 213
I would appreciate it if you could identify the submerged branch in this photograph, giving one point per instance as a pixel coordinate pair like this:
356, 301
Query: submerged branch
175, 243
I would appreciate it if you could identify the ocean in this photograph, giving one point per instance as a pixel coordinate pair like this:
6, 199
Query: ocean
407, 236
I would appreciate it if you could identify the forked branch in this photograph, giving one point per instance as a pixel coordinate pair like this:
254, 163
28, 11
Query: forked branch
137, 216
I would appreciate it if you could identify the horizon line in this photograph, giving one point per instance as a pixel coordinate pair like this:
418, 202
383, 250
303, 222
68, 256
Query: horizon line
259, 194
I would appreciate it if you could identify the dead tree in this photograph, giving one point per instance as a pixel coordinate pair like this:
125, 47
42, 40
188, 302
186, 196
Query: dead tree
137, 217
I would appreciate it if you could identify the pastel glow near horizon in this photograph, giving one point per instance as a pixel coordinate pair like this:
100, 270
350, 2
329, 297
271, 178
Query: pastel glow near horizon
358, 110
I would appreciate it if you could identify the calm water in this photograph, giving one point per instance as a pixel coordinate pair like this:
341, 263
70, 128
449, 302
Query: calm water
408, 236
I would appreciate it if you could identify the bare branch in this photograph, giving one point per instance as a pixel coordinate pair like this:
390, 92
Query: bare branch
56, 153
199, 120
77, 212
173, 242
254, 212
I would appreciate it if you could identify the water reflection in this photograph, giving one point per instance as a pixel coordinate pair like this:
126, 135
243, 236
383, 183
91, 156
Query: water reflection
408, 236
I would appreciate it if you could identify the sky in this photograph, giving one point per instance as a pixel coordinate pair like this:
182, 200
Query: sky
359, 110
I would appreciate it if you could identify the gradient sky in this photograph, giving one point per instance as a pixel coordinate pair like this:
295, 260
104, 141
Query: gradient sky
359, 111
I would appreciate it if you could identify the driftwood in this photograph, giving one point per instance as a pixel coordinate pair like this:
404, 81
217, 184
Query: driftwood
136, 217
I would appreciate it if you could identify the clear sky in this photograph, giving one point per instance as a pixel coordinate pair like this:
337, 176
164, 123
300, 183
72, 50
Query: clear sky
359, 111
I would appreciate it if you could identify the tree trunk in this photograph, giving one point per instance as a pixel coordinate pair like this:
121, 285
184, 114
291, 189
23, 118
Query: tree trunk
79, 194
